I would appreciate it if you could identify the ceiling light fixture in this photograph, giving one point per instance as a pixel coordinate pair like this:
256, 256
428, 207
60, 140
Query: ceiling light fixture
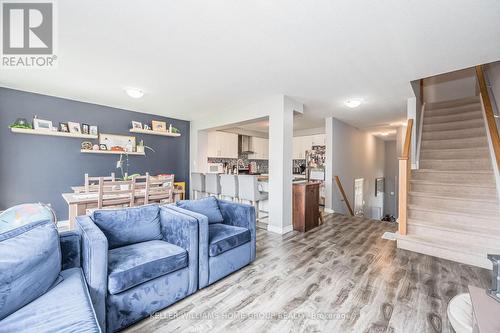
398, 123
134, 92
353, 103
384, 133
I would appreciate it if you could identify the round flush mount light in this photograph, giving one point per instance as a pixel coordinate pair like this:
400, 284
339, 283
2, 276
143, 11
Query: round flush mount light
353, 103
134, 92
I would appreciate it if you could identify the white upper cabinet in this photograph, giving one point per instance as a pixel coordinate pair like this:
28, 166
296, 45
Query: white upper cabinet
303, 143
222, 144
260, 149
318, 140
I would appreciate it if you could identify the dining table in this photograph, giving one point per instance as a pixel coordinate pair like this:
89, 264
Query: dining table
79, 202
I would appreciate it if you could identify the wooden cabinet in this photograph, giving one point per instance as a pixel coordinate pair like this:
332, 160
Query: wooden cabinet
305, 206
260, 149
222, 144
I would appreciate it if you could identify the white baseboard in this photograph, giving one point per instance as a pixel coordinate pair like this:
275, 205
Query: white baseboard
328, 210
279, 230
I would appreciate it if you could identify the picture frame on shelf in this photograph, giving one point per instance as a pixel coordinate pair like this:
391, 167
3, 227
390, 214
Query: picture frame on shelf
74, 127
94, 130
147, 127
136, 125
85, 129
63, 127
102, 146
116, 142
159, 126
42, 125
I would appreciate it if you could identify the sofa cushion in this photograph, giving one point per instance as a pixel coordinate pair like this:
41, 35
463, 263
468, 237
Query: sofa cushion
131, 265
66, 307
206, 206
126, 226
223, 237
30, 262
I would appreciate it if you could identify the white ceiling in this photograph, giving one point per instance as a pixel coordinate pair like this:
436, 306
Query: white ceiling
195, 58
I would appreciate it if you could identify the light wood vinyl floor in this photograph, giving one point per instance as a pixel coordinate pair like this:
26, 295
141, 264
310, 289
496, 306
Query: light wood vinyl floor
339, 277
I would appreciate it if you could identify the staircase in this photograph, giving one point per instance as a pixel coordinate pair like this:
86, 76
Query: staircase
453, 209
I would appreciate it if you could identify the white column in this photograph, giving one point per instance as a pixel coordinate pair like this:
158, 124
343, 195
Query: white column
329, 182
280, 166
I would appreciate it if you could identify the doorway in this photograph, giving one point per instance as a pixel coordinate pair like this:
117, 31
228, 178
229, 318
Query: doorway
358, 197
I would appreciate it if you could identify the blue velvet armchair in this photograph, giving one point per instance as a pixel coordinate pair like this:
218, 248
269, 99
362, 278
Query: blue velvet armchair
137, 261
227, 236
57, 298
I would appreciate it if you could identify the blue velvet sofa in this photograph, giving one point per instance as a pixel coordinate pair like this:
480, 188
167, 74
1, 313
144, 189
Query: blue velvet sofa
42, 287
227, 236
137, 261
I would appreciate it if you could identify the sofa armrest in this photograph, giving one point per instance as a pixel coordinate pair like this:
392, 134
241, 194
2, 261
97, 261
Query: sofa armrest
240, 215
182, 230
70, 249
202, 242
95, 264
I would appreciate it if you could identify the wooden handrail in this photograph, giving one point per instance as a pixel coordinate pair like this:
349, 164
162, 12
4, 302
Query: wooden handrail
488, 110
404, 178
407, 143
344, 196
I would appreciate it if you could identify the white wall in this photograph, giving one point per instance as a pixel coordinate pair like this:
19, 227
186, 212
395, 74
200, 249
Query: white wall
450, 86
493, 75
353, 154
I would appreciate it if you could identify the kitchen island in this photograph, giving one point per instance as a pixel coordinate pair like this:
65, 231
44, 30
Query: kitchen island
263, 181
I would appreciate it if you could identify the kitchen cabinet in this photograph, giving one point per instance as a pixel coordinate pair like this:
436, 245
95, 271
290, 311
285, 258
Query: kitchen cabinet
222, 144
260, 149
303, 143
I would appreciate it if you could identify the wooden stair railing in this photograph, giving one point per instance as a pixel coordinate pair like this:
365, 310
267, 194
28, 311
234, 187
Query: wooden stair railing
490, 116
344, 196
404, 179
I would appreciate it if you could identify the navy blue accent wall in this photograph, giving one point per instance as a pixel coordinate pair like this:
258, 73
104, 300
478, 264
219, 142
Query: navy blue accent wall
37, 168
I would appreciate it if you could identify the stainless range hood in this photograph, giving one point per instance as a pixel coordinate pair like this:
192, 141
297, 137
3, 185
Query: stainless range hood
245, 144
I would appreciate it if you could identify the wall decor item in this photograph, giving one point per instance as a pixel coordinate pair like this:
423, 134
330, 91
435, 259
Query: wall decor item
87, 145
159, 126
42, 125
379, 186
63, 127
85, 128
147, 127
136, 125
94, 130
95, 147
74, 127
117, 142
102, 146
21, 123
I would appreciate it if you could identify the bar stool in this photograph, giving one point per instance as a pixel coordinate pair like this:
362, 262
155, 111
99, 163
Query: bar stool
229, 187
249, 191
212, 184
197, 184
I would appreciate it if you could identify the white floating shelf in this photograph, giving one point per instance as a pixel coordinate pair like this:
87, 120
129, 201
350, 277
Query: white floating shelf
151, 132
52, 133
110, 152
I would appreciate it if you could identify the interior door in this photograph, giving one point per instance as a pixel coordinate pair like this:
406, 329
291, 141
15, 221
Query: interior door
358, 197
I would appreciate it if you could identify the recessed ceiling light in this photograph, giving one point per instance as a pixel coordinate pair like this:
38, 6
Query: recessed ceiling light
134, 92
353, 103
384, 133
